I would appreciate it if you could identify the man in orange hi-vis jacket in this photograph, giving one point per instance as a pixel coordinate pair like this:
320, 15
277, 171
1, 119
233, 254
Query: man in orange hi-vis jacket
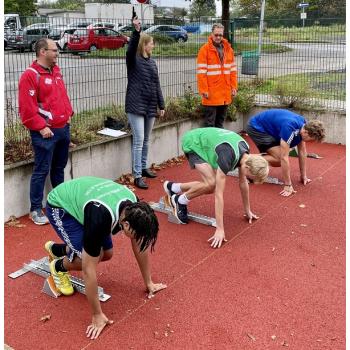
217, 76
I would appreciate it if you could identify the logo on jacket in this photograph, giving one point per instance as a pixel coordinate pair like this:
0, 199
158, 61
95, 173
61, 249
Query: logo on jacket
31, 92
48, 81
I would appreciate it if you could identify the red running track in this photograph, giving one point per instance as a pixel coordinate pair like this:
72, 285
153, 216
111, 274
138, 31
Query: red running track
279, 282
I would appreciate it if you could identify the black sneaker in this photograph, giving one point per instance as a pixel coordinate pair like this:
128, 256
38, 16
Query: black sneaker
180, 210
167, 188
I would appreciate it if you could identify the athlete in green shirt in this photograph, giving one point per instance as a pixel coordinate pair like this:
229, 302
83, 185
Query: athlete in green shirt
214, 152
85, 212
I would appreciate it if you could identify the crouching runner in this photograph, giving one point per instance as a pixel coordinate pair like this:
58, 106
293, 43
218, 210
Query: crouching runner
213, 152
85, 212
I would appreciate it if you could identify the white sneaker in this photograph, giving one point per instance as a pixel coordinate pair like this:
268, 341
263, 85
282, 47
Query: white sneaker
38, 217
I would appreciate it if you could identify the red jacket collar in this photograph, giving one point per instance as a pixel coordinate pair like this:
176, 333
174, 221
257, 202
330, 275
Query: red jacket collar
40, 69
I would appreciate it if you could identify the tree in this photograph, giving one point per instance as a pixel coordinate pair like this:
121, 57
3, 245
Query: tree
289, 9
201, 8
22, 7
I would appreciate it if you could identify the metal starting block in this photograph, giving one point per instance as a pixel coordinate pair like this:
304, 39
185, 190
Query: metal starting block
41, 267
269, 179
164, 207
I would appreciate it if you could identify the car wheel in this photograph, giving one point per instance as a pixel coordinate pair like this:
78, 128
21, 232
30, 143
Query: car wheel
180, 40
65, 47
32, 46
93, 48
5, 44
21, 49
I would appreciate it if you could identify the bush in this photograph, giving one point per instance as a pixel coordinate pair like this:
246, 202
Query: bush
244, 101
162, 39
291, 94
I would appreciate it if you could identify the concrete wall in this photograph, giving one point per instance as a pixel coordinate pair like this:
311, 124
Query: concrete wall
112, 158
108, 159
334, 122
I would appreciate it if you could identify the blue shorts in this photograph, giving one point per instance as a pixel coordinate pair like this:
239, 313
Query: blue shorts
71, 231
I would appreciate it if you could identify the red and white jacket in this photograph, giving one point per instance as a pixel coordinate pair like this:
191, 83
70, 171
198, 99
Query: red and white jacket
43, 99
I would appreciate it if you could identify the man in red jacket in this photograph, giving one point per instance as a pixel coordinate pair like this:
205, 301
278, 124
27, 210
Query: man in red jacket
45, 109
216, 76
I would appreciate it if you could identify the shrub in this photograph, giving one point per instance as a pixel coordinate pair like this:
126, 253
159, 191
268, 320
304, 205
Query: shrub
292, 94
162, 39
244, 100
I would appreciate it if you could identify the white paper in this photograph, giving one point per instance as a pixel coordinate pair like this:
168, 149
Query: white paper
111, 132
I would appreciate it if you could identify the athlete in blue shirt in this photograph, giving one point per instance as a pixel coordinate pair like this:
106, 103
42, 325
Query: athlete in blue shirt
276, 131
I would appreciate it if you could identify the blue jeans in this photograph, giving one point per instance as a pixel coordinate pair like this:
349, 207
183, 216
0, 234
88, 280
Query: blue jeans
141, 129
50, 155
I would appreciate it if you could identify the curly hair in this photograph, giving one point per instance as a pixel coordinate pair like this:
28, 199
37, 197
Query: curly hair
144, 222
315, 129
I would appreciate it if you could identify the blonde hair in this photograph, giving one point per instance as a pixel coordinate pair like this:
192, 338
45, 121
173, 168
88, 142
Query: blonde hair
217, 25
258, 167
144, 40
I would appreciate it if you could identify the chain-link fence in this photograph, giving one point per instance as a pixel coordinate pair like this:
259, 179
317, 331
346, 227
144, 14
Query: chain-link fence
295, 62
291, 63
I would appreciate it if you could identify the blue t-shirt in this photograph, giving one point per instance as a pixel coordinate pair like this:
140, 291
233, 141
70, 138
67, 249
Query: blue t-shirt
280, 124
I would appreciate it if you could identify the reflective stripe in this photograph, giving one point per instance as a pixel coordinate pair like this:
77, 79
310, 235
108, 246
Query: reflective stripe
201, 71
214, 66
215, 72
34, 70
234, 69
204, 65
45, 113
227, 72
228, 65
66, 239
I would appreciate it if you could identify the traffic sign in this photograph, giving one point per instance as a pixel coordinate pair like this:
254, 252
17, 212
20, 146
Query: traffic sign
303, 5
143, 1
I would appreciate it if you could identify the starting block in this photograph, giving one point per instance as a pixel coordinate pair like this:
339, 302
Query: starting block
41, 267
50, 289
164, 206
269, 179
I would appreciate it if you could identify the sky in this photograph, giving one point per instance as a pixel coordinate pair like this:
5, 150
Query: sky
185, 4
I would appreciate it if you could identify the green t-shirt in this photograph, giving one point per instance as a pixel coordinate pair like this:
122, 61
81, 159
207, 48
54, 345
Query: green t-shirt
203, 141
73, 195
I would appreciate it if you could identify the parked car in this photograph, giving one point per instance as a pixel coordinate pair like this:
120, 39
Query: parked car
56, 32
177, 33
96, 39
79, 24
62, 42
104, 25
127, 30
27, 38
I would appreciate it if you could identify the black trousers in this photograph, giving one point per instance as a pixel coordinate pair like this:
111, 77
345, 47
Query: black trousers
214, 116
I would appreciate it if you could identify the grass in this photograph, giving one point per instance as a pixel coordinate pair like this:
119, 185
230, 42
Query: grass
294, 34
85, 125
329, 86
187, 49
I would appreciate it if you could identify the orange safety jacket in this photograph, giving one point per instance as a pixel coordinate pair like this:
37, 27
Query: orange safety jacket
214, 77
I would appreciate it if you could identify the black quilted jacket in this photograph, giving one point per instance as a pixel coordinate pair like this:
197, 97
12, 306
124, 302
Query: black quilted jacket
143, 93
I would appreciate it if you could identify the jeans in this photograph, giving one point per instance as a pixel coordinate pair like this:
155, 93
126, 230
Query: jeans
214, 116
50, 155
141, 129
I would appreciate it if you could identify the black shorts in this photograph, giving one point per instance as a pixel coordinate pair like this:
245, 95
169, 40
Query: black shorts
262, 140
193, 159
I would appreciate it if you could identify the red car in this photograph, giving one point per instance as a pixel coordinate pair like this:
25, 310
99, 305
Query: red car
96, 38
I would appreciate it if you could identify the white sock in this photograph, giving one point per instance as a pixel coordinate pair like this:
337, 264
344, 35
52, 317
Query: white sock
183, 199
176, 187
